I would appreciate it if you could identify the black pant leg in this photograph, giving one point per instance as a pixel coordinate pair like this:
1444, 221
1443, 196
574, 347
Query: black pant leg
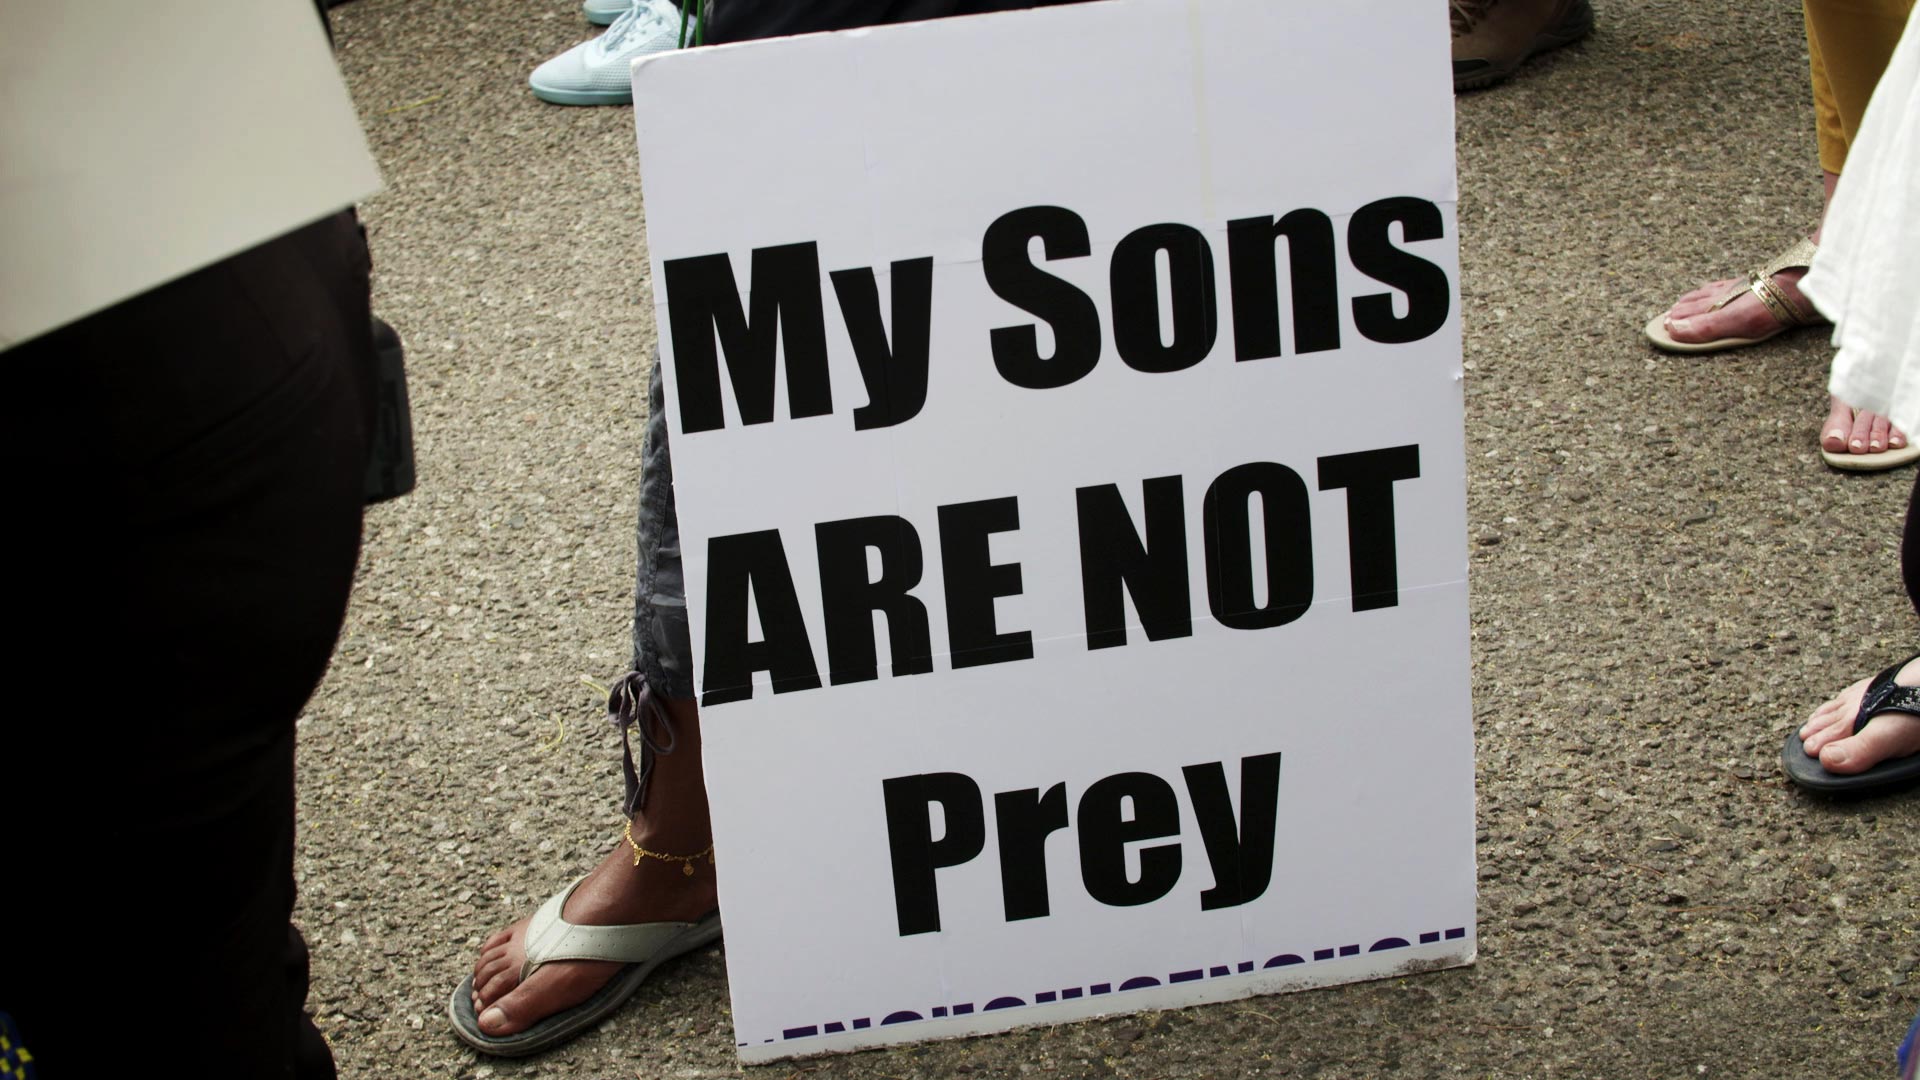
188, 487
748, 20
1910, 547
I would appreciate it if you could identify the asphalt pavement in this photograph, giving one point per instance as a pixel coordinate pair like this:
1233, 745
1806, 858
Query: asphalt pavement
1665, 579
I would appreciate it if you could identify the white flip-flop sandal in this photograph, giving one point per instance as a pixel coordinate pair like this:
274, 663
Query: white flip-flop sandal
643, 947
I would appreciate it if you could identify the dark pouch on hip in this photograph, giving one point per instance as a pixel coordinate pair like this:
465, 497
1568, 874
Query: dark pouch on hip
390, 463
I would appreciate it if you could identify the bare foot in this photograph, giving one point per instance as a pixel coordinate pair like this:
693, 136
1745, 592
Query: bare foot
1829, 735
1850, 432
618, 892
614, 894
1692, 319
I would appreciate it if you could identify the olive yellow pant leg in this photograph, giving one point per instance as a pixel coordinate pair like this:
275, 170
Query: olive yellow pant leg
1848, 45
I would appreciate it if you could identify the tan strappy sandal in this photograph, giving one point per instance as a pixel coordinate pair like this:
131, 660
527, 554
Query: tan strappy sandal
1786, 312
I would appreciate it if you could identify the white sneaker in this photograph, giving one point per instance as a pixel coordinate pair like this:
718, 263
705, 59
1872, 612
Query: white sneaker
602, 12
596, 72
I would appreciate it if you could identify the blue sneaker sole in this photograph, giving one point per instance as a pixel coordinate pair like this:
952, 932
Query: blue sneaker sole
560, 96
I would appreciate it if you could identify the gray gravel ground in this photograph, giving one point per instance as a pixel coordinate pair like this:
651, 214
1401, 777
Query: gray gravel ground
1665, 579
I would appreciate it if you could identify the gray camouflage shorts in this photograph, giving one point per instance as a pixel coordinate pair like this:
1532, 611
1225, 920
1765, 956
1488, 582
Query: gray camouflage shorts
662, 644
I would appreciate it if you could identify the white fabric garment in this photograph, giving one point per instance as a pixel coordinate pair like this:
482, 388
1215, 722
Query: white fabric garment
1866, 277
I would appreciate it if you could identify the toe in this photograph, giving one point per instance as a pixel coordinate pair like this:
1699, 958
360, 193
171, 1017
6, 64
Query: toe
1703, 297
551, 989
498, 1022
1825, 728
1896, 439
1877, 434
499, 982
492, 955
1833, 719
1861, 433
494, 979
1887, 736
1708, 324
1833, 433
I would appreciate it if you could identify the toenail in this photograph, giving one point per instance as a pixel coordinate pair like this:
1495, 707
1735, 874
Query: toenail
492, 1018
1876, 446
1856, 444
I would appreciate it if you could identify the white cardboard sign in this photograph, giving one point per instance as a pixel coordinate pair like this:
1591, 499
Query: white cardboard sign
140, 142
1067, 427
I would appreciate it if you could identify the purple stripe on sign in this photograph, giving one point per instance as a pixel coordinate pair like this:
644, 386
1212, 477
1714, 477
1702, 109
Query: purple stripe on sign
1137, 982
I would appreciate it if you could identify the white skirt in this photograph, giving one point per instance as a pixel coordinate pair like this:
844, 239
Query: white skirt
1866, 277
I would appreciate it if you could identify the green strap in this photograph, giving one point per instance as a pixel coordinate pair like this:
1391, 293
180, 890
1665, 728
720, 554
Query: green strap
699, 23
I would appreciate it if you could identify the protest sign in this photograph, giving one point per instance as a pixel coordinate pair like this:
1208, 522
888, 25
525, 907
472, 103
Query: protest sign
141, 142
1067, 426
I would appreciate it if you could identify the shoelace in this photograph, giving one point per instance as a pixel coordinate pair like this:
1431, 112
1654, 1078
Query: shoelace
632, 707
652, 17
646, 14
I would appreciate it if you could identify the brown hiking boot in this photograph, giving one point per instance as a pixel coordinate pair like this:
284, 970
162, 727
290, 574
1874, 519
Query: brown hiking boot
1493, 37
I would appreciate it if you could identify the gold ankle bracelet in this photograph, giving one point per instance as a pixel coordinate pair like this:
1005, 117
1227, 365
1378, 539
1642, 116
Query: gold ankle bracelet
686, 861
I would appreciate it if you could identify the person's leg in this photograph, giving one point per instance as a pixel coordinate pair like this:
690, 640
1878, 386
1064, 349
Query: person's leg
622, 890
1859, 37
1910, 548
748, 20
666, 798
1855, 39
1848, 45
196, 460
1829, 734
666, 791
1727, 311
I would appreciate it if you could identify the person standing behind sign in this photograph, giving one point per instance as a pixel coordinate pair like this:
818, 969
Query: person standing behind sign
195, 458
1865, 278
1848, 43
189, 471
546, 978
595, 72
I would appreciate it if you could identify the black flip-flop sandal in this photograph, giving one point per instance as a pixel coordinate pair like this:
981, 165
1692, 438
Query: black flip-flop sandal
1883, 696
